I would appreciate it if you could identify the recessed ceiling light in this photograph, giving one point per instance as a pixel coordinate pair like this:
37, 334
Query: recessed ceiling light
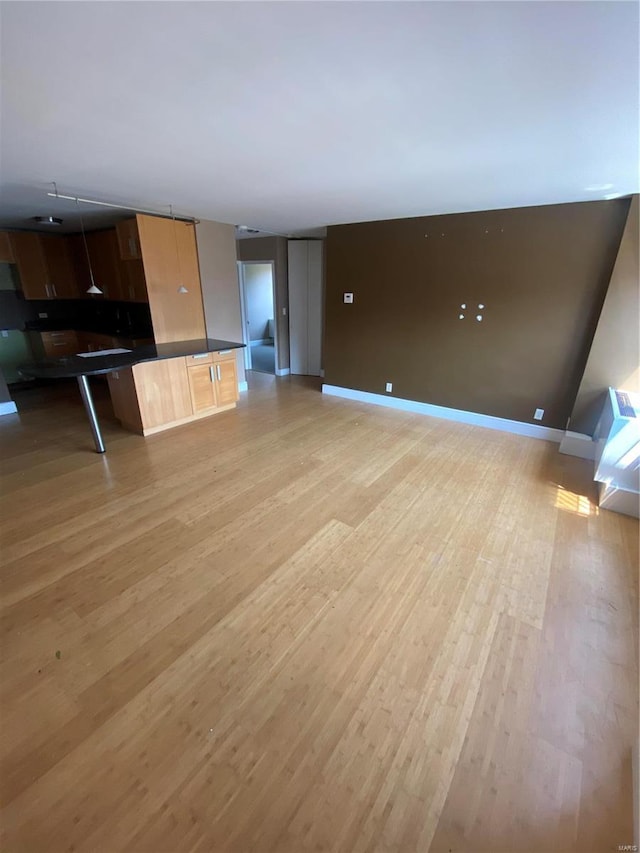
47, 220
598, 188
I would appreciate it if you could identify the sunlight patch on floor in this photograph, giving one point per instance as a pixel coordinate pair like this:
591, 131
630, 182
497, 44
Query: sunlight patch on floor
572, 502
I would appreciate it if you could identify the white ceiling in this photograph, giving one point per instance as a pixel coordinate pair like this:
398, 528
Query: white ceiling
290, 116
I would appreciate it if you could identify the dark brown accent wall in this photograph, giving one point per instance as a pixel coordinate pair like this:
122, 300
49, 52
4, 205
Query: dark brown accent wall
541, 272
273, 249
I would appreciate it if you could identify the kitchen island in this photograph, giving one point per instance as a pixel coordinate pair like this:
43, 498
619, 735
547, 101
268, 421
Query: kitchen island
155, 386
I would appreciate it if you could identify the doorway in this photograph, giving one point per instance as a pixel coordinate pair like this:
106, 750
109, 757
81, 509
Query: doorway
257, 298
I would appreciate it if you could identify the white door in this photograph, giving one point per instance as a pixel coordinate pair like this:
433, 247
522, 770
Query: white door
305, 306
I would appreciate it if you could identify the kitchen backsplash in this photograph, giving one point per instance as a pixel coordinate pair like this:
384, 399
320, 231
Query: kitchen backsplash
125, 318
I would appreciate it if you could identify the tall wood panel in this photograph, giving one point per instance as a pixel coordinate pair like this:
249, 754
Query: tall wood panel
170, 259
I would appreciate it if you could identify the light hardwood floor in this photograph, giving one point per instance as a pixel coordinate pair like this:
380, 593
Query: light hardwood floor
309, 624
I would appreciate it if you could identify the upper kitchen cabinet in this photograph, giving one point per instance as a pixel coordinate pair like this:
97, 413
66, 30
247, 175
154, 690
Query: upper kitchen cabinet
6, 251
128, 240
57, 257
171, 274
106, 265
44, 266
134, 285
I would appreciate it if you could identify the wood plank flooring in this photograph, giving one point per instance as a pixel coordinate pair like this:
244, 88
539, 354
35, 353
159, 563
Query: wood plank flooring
310, 625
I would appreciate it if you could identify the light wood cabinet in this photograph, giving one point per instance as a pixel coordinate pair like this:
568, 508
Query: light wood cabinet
214, 383
159, 265
158, 395
226, 381
44, 265
170, 259
6, 251
202, 384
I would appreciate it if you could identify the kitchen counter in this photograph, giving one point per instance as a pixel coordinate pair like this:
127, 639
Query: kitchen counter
75, 365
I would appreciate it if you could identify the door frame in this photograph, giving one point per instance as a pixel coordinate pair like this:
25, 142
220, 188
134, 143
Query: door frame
243, 312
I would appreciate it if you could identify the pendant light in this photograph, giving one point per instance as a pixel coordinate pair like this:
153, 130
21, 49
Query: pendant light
181, 287
93, 289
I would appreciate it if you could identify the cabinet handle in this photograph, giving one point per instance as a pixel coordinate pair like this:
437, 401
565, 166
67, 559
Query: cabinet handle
62, 344
46, 290
218, 371
202, 355
57, 334
213, 378
55, 292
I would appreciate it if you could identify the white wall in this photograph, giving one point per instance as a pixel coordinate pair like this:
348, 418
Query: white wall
259, 292
220, 291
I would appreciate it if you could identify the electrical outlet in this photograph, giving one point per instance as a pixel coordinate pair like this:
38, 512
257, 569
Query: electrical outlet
348, 298
538, 415
4, 333
43, 315
389, 387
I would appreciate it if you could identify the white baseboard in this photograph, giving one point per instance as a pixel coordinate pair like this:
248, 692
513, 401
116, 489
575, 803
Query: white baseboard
503, 424
578, 444
243, 386
8, 408
283, 371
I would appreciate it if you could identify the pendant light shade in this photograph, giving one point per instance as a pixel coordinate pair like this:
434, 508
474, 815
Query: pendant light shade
94, 289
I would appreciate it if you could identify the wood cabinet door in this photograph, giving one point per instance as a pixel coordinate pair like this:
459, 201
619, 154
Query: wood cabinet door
125, 399
128, 240
226, 381
32, 268
172, 275
79, 261
133, 282
58, 344
6, 252
162, 388
61, 276
202, 385
106, 264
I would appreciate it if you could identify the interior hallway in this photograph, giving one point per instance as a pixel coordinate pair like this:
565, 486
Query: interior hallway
310, 624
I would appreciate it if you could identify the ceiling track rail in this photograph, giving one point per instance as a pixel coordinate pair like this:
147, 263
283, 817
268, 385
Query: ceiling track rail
79, 200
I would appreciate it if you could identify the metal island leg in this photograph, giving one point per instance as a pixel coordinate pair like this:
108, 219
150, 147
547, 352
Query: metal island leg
87, 399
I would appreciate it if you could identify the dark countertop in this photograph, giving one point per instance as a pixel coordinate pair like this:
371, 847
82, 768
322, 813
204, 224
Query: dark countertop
73, 365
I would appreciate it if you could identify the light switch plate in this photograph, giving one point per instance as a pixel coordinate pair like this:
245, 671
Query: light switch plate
348, 298
539, 414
